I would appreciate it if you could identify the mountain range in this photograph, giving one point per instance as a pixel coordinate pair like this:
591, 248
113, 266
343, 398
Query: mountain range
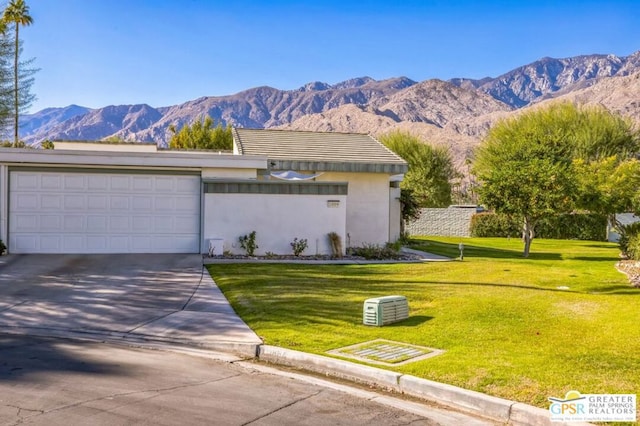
457, 112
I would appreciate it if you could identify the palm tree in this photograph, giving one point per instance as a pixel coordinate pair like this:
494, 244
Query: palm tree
17, 12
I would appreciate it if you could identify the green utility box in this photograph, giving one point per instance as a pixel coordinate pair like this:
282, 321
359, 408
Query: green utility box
385, 310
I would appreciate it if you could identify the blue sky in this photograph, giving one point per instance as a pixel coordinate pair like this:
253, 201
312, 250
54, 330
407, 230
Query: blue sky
101, 52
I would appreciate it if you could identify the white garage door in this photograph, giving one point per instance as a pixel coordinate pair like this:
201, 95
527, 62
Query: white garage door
81, 212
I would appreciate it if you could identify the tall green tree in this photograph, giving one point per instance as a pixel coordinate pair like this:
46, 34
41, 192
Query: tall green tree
6, 84
528, 165
202, 134
16, 13
608, 186
529, 190
430, 172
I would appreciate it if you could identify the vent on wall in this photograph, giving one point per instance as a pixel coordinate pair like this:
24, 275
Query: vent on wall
385, 310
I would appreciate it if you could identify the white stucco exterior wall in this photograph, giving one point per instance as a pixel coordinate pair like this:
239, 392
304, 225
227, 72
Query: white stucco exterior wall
395, 214
277, 220
228, 173
367, 206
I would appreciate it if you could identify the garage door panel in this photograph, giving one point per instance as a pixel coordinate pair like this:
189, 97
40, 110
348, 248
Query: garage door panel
50, 182
24, 243
67, 212
141, 225
51, 202
50, 243
164, 244
119, 202
185, 224
183, 203
119, 224
119, 243
28, 223
97, 202
161, 224
120, 183
71, 242
142, 204
164, 184
26, 201
142, 243
165, 202
97, 224
143, 183
50, 223
25, 183
98, 183
97, 243
74, 223
76, 182
186, 185
74, 202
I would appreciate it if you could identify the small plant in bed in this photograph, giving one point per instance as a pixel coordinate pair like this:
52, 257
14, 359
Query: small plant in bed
377, 252
248, 243
298, 246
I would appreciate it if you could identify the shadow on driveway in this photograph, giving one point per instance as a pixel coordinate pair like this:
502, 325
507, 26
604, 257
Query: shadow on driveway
23, 358
161, 297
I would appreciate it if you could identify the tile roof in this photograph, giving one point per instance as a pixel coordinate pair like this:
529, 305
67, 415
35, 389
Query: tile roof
319, 150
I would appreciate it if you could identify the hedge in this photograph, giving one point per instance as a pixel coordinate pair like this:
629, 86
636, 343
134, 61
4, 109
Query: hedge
574, 226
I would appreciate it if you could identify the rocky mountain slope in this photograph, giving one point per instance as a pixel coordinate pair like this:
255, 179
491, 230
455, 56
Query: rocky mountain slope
526, 84
43, 121
456, 113
119, 121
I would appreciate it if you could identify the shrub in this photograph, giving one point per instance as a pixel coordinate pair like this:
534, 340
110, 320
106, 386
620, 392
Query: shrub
2, 248
575, 226
633, 247
627, 232
580, 226
248, 243
376, 252
298, 246
493, 225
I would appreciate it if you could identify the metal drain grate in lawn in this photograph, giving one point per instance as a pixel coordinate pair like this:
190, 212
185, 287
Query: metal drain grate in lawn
386, 352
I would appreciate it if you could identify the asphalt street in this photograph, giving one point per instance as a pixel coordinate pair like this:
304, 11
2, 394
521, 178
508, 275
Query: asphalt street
46, 381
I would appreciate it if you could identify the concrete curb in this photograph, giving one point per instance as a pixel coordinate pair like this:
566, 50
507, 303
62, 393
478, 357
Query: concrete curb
472, 402
331, 366
466, 400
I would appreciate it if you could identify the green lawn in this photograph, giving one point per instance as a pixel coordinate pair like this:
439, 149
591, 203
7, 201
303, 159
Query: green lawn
505, 326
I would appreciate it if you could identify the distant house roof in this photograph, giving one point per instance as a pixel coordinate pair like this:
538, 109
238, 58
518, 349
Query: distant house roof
319, 151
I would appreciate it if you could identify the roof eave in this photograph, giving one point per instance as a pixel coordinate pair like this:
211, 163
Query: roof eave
334, 166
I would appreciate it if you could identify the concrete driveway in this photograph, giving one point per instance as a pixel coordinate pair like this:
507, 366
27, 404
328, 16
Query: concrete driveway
159, 297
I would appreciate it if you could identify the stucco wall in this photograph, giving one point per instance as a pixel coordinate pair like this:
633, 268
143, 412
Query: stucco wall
277, 220
446, 222
367, 206
395, 214
228, 173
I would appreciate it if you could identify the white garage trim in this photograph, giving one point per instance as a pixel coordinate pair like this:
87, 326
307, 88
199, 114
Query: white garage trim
103, 211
